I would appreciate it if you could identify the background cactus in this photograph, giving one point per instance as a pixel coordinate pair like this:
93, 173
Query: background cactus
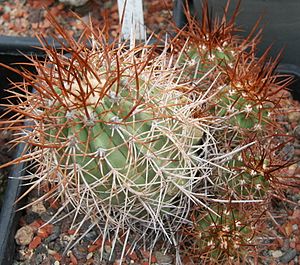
248, 96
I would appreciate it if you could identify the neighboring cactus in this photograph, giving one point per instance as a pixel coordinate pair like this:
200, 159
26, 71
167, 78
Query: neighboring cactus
245, 93
228, 237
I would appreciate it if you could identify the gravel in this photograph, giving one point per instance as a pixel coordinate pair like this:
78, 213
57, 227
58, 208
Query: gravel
288, 256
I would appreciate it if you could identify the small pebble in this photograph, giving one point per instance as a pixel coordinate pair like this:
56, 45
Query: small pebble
91, 236
288, 256
89, 256
21, 255
297, 132
74, 2
38, 258
288, 151
80, 252
31, 217
36, 241
46, 217
163, 259
41, 249
55, 245
38, 207
286, 245
24, 235
55, 234
276, 253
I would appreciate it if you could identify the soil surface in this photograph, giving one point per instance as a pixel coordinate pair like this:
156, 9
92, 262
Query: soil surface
28, 18
41, 243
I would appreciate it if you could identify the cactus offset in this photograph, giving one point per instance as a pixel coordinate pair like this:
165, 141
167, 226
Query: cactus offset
225, 238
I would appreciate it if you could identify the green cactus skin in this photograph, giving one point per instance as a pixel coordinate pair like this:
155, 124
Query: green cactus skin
243, 182
125, 149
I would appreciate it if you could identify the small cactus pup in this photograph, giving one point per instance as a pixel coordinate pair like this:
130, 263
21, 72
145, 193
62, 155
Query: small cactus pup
110, 132
228, 237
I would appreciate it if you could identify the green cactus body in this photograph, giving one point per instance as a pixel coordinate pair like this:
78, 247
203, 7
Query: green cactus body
242, 114
128, 145
230, 102
222, 238
245, 183
200, 60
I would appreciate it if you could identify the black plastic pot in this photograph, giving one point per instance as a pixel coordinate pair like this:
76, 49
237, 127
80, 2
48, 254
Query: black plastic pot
12, 53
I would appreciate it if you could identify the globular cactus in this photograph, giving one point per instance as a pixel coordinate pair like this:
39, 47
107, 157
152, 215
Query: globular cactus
111, 132
123, 138
243, 91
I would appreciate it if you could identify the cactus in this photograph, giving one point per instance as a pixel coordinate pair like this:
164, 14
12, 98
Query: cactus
245, 95
226, 238
111, 131
135, 139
